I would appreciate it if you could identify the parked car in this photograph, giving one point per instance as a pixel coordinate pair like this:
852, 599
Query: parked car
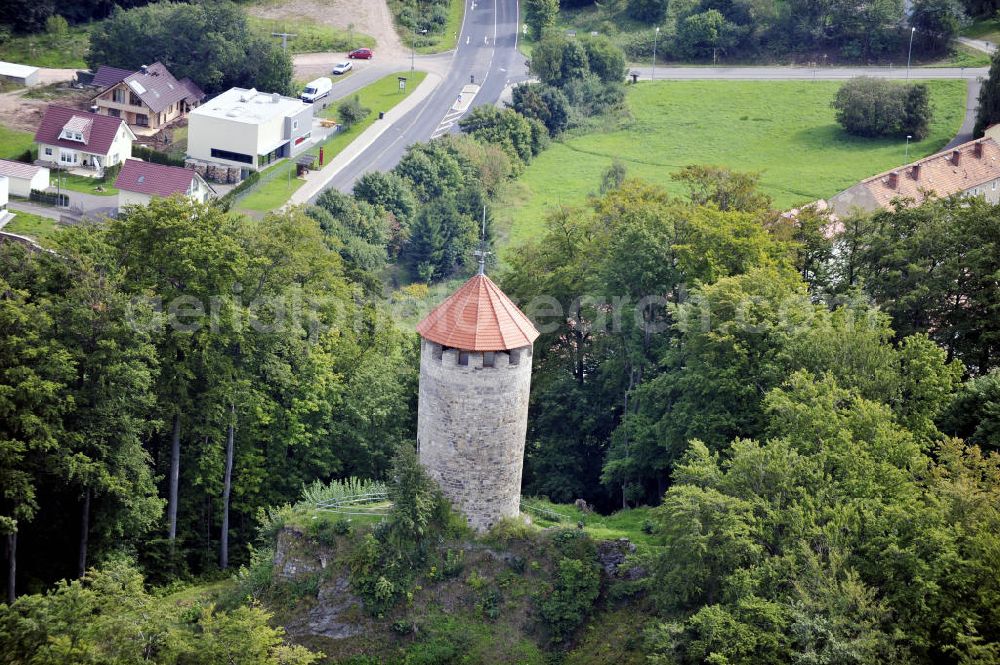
362, 54
316, 90
343, 67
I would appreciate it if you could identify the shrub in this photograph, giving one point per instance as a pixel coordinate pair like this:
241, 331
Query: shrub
155, 156
351, 111
648, 11
876, 107
568, 602
56, 25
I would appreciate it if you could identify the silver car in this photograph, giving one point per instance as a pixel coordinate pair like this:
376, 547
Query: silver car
343, 67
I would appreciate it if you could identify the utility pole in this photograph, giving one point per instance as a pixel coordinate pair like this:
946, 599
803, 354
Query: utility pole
908, 137
655, 36
284, 38
910, 53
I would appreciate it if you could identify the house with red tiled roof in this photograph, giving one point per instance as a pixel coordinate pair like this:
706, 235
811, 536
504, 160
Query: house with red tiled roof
70, 138
149, 98
138, 182
969, 169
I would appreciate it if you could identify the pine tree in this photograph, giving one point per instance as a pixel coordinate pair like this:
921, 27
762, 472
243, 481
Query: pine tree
426, 248
989, 99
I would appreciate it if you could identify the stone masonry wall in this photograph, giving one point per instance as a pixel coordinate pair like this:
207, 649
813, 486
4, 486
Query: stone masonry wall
471, 425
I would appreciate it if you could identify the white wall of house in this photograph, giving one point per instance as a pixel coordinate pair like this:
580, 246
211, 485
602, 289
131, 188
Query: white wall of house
206, 133
4, 189
22, 186
132, 198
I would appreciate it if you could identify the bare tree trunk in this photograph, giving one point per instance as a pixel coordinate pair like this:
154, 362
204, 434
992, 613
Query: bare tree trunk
84, 533
175, 474
227, 486
11, 567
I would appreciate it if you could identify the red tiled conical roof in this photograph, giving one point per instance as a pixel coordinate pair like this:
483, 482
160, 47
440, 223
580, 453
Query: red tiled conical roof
478, 317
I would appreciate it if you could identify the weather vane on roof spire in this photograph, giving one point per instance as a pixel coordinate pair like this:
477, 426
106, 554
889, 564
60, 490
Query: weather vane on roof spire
482, 253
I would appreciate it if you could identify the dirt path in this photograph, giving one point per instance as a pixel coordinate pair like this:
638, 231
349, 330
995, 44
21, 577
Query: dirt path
371, 17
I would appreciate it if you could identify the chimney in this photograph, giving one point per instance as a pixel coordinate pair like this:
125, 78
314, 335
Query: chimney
275, 97
893, 179
144, 69
978, 150
956, 157
915, 171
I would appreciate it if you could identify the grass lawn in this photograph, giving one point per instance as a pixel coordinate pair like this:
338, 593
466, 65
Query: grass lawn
13, 143
180, 141
784, 129
311, 37
622, 524
987, 29
381, 95
961, 56
84, 185
44, 50
41, 229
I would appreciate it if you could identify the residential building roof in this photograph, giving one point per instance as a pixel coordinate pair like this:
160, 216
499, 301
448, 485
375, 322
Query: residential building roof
107, 76
478, 317
14, 69
158, 89
18, 169
100, 129
249, 106
154, 179
960, 169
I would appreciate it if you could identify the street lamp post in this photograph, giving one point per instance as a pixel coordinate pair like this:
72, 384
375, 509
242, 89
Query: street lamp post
909, 53
655, 36
908, 137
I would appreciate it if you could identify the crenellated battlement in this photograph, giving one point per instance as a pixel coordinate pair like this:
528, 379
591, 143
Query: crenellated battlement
460, 358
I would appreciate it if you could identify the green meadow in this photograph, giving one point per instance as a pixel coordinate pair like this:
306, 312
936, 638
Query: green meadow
785, 130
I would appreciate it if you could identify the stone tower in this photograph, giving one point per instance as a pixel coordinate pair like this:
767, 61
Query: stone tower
475, 377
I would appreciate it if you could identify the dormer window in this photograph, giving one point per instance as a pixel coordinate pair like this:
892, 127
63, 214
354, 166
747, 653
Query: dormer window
76, 130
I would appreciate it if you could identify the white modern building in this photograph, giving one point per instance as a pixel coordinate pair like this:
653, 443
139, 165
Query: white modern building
4, 189
247, 129
24, 177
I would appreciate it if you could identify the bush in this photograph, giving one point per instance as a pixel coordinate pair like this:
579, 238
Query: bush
352, 112
570, 599
648, 11
875, 107
49, 198
155, 156
56, 25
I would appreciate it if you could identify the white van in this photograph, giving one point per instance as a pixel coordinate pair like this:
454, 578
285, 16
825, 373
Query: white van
316, 90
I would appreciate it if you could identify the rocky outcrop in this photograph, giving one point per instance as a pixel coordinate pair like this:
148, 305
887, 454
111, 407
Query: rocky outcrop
612, 554
337, 613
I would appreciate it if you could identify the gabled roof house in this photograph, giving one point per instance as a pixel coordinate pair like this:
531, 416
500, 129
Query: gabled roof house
107, 76
149, 98
971, 169
138, 182
70, 138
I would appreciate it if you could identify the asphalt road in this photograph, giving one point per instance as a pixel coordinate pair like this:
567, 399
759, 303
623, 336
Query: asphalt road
805, 73
486, 55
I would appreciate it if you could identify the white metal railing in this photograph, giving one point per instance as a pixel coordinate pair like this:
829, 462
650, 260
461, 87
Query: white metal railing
352, 504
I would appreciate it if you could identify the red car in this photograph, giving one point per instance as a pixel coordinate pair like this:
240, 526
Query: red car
362, 54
